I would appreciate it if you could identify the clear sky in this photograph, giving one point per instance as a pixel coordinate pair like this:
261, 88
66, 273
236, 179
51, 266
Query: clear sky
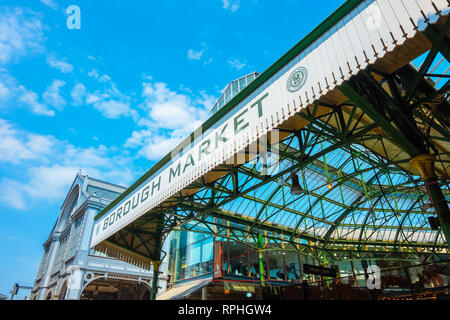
115, 96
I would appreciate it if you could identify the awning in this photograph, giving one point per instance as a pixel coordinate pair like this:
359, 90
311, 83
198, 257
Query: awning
184, 290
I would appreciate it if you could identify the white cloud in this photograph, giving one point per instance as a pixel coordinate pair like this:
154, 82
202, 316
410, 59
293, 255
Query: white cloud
78, 94
92, 98
21, 33
16, 147
113, 109
171, 110
31, 99
207, 61
94, 74
49, 182
47, 166
52, 94
171, 114
110, 101
5, 92
152, 146
12, 93
61, 65
39, 144
137, 138
236, 64
104, 78
51, 4
8, 88
231, 5
171, 117
158, 147
12, 194
194, 55
206, 100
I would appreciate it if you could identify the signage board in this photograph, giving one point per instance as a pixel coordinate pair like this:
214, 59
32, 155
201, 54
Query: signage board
218, 259
319, 270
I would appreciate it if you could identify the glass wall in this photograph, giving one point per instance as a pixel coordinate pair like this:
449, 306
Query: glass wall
191, 255
241, 260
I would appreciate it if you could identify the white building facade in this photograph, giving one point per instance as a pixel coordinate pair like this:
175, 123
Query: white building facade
69, 269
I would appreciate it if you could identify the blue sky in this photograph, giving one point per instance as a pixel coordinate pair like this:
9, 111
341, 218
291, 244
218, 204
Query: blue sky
115, 96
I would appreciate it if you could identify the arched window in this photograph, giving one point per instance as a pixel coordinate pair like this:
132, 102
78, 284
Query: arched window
69, 209
63, 291
73, 205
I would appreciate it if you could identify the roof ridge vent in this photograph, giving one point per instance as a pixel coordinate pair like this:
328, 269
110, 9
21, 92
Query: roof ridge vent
232, 89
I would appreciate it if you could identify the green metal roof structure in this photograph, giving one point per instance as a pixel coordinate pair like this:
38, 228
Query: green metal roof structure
365, 132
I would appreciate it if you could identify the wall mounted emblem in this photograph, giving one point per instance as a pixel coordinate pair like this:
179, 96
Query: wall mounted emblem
297, 79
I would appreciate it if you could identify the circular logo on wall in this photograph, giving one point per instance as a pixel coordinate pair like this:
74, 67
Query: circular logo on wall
297, 79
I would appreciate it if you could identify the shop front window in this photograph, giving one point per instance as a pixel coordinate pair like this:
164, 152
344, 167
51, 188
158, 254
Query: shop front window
191, 255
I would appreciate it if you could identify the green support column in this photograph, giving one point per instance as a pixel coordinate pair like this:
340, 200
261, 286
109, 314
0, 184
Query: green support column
425, 165
260, 246
156, 265
157, 256
261, 267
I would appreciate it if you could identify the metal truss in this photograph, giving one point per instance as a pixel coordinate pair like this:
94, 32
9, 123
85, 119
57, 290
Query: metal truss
360, 199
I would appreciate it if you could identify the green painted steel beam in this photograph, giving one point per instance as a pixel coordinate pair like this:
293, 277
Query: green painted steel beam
379, 119
397, 235
433, 36
437, 42
351, 208
320, 30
